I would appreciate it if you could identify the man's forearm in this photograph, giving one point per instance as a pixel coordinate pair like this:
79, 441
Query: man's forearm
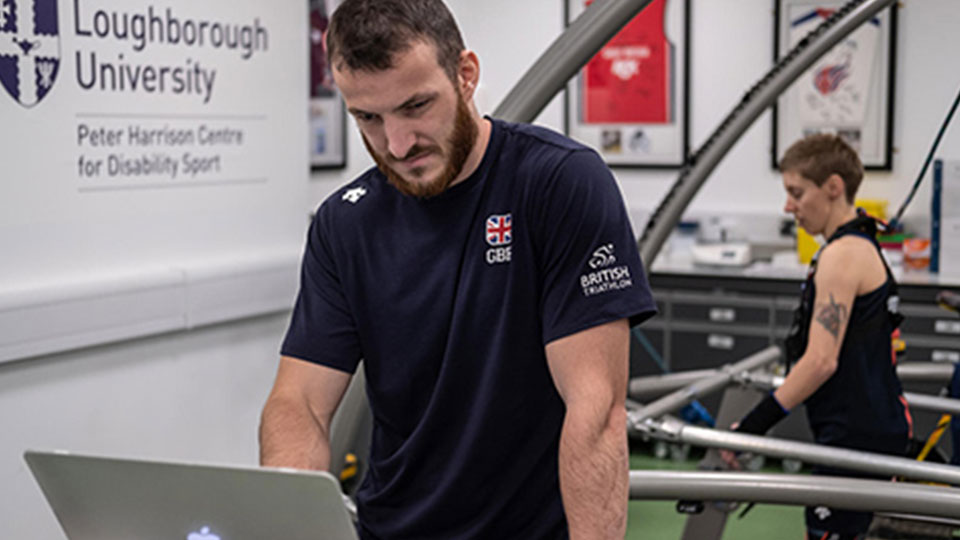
290, 436
594, 476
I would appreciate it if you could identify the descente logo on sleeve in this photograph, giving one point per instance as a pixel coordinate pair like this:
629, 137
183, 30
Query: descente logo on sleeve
499, 233
353, 195
605, 276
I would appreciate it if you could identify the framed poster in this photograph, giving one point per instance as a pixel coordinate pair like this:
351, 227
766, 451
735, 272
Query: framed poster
630, 101
328, 121
848, 91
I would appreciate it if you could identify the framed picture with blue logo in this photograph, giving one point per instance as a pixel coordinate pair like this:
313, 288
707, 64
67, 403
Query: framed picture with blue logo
328, 121
848, 91
630, 101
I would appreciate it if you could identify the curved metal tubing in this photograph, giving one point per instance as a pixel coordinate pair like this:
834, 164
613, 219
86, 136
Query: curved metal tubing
672, 429
653, 386
565, 56
804, 490
921, 402
925, 372
720, 379
754, 103
351, 425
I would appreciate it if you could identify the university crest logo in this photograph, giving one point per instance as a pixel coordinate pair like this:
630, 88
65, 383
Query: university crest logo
29, 48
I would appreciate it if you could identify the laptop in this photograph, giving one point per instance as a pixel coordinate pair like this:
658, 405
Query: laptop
106, 498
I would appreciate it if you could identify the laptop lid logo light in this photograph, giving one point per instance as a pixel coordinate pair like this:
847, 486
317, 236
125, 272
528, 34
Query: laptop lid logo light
203, 534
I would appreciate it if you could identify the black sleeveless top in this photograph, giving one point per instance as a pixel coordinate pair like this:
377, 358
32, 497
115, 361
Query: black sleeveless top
861, 406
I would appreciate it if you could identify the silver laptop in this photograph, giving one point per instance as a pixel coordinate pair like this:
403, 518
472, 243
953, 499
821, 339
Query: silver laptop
105, 498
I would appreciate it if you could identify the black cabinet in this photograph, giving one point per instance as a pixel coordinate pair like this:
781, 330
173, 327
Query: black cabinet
710, 348
647, 350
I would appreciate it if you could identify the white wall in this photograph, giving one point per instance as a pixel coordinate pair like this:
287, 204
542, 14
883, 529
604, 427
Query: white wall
731, 48
185, 396
68, 255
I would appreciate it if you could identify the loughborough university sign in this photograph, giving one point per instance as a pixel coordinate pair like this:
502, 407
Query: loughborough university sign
158, 93
149, 130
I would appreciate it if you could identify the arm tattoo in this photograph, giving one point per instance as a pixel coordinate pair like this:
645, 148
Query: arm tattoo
832, 316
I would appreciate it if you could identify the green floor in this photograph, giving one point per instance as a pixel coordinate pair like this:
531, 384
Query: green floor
659, 520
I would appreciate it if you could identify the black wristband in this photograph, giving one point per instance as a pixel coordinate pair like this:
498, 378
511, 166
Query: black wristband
767, 413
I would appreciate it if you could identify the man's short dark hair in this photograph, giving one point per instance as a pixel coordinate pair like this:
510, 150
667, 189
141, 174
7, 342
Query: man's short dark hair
366, 35
816, 157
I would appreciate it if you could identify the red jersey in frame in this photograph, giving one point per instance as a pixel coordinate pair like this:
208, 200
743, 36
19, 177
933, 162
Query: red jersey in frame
629, 81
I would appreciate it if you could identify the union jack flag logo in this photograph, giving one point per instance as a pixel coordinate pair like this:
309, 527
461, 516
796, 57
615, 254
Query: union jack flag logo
499, 230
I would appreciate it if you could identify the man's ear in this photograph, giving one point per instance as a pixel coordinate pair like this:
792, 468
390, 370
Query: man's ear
468, 74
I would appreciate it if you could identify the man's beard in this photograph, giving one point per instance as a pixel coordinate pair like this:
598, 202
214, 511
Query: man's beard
461, 142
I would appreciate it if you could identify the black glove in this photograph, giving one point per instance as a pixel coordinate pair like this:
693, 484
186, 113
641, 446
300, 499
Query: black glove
763, 417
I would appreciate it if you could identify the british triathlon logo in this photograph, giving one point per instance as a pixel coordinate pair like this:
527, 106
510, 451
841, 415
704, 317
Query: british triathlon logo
499, 234
605, 276
602, 257
29, 49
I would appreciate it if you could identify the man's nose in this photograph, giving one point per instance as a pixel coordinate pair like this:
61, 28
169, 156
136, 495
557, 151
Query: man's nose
400, 138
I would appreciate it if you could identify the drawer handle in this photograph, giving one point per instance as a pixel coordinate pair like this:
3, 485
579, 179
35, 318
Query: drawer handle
723, 314
717, 341
947, 327
945, 356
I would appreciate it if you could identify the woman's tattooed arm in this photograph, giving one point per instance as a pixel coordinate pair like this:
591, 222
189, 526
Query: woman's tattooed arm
832, 316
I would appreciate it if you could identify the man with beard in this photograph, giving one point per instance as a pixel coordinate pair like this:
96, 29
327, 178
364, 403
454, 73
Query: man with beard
487, 275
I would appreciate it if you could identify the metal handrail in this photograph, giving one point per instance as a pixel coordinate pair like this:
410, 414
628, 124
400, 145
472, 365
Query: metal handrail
804, 490
921, 402
674, 430
652, 386
720, 379
925, 372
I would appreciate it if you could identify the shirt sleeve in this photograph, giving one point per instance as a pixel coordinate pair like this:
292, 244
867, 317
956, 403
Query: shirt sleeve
322, 328
592, 272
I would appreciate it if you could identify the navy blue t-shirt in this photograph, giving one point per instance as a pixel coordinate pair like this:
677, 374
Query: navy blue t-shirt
450, 301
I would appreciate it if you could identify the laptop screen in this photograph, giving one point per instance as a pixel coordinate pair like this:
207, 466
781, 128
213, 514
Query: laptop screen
101, 498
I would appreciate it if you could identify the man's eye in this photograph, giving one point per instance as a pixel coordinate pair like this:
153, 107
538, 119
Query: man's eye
418, 105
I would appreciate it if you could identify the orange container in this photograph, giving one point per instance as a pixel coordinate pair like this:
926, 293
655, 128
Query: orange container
916, 253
